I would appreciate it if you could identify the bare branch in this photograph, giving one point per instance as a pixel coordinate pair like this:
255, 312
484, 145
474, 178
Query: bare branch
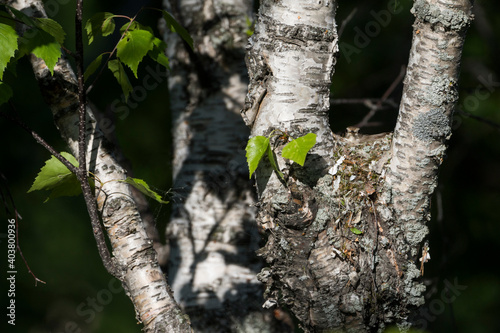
375, 108
17, 216
426, 109
346, 21
41, 141
480, 119
82, 172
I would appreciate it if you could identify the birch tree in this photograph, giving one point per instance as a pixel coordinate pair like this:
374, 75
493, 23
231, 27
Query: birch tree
212, 232
132, 259
346, 230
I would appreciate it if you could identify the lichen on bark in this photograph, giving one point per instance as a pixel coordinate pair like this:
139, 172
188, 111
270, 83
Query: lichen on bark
332, 253
345, 230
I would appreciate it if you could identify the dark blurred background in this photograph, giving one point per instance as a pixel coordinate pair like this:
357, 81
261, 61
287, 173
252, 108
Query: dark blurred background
56, 238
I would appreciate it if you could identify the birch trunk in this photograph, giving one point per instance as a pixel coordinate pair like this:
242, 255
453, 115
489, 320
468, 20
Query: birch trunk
133, 255
213, 235
345, 231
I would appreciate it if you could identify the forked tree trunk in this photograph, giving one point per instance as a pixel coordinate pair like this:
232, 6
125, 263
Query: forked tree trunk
213, 235
346, 230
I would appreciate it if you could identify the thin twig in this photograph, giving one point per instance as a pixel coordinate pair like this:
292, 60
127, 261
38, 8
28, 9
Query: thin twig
479, 118
82, 149
82, 98
21, 252
41, 141
114, 50
366, 101
346, 21
16, 216
394, 84
385, 96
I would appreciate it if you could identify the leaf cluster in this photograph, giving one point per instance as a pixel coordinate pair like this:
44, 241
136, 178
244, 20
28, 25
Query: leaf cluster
44, 38
136, 42
296, 150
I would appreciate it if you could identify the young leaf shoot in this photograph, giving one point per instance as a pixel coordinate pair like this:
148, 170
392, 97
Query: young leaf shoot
296, 150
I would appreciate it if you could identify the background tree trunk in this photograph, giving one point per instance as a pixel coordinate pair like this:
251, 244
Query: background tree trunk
213, 235
345, 230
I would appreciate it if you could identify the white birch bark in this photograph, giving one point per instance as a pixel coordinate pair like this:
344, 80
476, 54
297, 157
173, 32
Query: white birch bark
133, 254
331, 276
426, 110
213, 235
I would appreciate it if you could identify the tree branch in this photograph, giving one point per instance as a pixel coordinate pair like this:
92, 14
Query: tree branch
82, 173
41, 141
375, 108
17, 216
489, 122
424, 122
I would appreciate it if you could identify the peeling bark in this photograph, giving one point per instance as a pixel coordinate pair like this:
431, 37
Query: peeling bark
133, 255
344, 231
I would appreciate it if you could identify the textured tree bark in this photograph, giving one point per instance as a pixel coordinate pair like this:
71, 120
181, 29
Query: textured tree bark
345, 230
213, 235
133, 255
424, 122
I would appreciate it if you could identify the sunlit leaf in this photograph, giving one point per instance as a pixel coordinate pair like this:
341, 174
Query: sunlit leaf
256, 148
56, 177
8, 46
158, 53
356, 231
42, 45
296, 150
133, 47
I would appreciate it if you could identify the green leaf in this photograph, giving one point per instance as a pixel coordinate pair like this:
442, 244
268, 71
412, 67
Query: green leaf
23, 17
158, 53
250, 28
115, 66
174, 26
42, 45
4, 16
56, 177
92, 67
142, 186
256, 148
356, 231
296, 150
5, 93
52, 28
101, 24
8, 46
133, 47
